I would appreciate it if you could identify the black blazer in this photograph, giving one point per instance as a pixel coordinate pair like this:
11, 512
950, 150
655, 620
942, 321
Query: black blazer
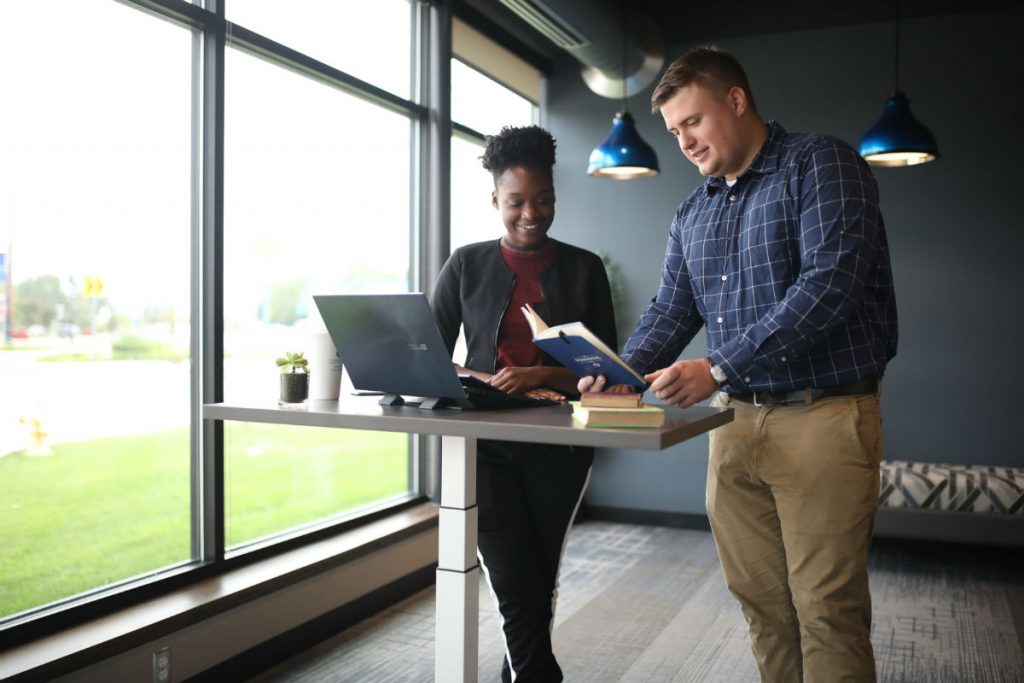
475, 287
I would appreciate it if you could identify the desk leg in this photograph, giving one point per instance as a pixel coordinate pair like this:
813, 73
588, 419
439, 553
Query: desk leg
458, 574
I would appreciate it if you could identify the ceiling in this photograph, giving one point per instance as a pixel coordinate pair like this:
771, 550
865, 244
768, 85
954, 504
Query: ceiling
693, 22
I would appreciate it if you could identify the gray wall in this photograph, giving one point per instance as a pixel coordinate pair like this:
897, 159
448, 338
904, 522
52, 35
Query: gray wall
954, 226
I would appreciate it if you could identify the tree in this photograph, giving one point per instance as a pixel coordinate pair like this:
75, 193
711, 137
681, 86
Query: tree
285, 301
36, 301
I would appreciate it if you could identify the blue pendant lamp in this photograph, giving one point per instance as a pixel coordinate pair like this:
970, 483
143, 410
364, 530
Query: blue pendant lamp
623, 155
898, 138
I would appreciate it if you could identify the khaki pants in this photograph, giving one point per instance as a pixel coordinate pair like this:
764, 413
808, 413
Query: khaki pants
791, 496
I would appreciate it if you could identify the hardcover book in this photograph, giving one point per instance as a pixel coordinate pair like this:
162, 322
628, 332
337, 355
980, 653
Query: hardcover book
580, 350
644, 416
609, 399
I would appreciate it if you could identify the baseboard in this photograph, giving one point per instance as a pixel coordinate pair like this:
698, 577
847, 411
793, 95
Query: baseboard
972, 528
674, 520
276, 650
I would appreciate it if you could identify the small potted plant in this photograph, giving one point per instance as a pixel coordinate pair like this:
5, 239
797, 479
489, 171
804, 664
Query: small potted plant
294, 377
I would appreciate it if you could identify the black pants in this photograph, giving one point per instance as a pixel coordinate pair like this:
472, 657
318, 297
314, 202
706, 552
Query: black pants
527, 496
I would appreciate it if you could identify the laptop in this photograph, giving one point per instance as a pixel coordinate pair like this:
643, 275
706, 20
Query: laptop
390, 343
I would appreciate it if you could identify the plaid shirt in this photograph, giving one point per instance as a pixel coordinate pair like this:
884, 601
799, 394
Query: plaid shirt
788, 269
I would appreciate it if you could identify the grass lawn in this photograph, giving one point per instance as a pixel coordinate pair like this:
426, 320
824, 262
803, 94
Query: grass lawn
101, 511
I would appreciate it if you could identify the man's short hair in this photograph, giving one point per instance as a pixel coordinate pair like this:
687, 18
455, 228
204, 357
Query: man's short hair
526, 146
709, 67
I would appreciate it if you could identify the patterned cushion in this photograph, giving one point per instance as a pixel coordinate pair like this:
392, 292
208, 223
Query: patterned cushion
960, 488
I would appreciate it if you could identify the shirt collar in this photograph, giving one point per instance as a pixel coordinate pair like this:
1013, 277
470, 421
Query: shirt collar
766, 161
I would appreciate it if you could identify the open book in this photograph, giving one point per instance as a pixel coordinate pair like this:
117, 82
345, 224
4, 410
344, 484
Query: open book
580, 350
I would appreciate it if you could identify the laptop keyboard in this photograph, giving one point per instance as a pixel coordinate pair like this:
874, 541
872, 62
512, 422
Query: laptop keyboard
485, 397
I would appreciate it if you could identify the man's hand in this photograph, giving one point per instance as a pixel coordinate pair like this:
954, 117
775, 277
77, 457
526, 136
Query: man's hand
683, 383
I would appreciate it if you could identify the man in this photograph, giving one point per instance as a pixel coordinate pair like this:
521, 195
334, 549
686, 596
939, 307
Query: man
782, 254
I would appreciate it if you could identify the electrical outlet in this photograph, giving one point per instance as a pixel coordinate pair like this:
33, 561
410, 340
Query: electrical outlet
162, 665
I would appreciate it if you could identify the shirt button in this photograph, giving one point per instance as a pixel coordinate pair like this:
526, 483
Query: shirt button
747, 380
721, 319
724, 278
732, 198
783, 359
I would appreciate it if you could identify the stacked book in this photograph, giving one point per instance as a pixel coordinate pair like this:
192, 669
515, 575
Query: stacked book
606, 409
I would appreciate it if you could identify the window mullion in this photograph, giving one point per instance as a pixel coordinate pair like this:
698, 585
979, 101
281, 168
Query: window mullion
208, 478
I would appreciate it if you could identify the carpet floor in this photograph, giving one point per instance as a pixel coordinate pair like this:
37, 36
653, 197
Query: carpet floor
649, 604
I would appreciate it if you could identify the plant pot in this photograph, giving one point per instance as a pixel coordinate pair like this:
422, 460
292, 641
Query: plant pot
294, 387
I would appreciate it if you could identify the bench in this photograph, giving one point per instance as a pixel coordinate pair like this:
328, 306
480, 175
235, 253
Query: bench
957, 503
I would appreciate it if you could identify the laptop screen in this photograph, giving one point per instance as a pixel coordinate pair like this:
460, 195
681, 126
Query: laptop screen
390, 343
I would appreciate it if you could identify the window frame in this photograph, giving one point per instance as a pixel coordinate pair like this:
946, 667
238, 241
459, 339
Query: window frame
430, 116
212, 34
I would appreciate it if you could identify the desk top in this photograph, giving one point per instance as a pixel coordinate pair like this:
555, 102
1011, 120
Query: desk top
552, 424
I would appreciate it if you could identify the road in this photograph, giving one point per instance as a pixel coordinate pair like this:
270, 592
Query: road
81, 400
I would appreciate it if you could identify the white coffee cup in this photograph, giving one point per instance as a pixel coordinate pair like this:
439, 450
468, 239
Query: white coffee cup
324, 368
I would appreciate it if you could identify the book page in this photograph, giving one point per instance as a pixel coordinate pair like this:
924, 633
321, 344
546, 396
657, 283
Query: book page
537, 326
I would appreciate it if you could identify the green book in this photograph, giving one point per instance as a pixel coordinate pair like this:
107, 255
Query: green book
644, 416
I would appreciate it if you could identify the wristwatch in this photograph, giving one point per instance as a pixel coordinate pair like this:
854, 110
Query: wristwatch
717, 373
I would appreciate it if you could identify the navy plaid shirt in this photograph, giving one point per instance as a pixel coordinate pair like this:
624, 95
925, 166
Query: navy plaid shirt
788, 269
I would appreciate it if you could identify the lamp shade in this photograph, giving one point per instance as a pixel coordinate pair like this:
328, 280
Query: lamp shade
898, 139
623, 155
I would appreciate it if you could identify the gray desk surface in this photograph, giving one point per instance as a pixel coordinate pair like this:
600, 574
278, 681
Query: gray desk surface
536, 425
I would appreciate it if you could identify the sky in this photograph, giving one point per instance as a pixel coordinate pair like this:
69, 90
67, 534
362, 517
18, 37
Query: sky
95, 160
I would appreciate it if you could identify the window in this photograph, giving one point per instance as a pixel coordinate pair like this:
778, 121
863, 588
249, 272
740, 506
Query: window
99, 220
340, 33
317, 201
481, 105
488, 86
95, 176
473, 217
484, 104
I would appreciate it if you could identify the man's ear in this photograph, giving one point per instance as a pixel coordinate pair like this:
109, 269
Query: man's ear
737, 98
494, 199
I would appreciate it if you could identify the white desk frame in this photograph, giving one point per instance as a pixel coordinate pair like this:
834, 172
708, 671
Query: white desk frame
458, 574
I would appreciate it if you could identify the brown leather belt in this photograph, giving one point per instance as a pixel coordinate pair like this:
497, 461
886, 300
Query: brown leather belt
808, 396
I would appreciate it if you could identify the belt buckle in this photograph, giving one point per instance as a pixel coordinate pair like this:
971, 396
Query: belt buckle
756, 402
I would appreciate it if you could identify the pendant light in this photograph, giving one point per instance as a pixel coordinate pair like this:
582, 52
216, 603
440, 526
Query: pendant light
898, 138
623, 155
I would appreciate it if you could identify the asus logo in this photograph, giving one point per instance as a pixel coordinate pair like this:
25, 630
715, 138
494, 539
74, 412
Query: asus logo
417, 347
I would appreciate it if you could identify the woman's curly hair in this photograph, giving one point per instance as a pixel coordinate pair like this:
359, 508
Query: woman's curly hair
526, 146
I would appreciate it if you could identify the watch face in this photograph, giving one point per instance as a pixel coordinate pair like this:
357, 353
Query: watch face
718, 374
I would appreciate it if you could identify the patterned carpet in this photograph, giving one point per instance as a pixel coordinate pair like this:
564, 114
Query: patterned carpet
644, 603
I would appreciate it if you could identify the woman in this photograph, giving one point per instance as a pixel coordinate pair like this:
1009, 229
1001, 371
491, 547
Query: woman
527, 494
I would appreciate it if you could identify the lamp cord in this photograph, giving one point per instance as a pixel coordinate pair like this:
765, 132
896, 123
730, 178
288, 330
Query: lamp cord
897, 69
625, 31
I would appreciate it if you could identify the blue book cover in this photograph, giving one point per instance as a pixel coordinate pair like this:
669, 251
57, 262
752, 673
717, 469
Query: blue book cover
580, 350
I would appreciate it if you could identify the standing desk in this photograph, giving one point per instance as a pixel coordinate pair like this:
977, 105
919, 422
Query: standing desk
457, 590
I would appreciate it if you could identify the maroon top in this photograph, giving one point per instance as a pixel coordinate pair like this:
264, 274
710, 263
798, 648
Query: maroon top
515, 341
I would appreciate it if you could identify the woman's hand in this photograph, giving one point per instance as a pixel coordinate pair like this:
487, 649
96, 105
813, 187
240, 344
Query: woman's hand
544, 392
599, 383
516, 380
